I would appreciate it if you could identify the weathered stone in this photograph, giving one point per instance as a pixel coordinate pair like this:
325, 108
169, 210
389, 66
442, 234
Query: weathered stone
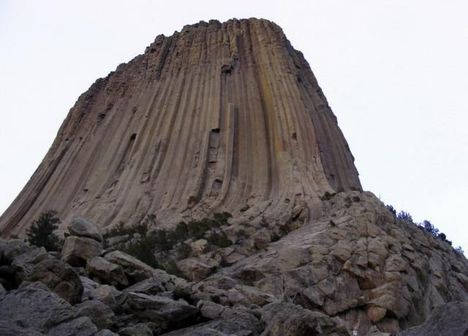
11, 328
99, 313
374, 331
11, 248
210, 309
78, 250
106, 294
81, 326
286, 319
261, 239
83, 227
35, 307
106, 332
158, 308
231, 321
375, 314
195, 269
88, 286
35, 264
107, 272
134, 269
58, 276
140, 329
199, 246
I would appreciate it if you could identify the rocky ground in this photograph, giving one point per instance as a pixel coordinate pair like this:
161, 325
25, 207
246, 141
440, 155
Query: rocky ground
352, 269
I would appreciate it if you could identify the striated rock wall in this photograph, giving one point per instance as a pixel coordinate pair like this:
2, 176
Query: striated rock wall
217, 117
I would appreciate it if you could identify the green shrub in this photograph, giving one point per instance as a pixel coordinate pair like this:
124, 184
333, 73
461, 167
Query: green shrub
219, 239
405, 216
41, 233
143, 249
122, 230
184, 250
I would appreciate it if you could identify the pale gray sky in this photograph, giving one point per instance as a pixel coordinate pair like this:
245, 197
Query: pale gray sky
394, 71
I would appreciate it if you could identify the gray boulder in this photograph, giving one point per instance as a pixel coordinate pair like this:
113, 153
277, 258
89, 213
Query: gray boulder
107, 272
37, 310
106, 332
154, 308
226, 321
288, 319
135, 270
82, 227
81, 326
99, 313
10, 328
57, 276
78, 250
140, 329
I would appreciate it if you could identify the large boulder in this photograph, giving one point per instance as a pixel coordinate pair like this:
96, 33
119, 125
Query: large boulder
224, 321
9, 328
78, 250
36, 308
30, 263
288, 319
99, 313
167, 312
59, 277
160, 281
448, 319
82, 227
81, 326
134, 269
107, 272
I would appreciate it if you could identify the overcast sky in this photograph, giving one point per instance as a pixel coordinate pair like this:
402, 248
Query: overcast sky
395, 73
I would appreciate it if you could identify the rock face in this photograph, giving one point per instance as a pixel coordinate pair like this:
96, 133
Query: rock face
449, 319
217, 117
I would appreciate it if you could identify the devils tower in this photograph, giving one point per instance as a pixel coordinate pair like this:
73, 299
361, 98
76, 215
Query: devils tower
218, 117
218, 140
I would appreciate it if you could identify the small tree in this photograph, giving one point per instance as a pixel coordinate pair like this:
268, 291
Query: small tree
391, 209
405, 216
41, 233
429, 227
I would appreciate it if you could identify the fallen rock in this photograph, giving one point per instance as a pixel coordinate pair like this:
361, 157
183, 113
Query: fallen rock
59, 277
165, 311
34, 307
81, 326
287, 319
78, 250
107, 272
238, 321
134, 269
107, 294
140, 329
10, 328
83, 227
106, 332
99, 313
195, 269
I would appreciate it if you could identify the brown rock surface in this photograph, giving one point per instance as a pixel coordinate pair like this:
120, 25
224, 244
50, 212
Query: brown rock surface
215, 117
225, 117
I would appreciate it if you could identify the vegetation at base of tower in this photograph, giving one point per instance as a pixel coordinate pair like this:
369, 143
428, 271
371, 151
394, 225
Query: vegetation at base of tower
41, 233
425, 225
156, 247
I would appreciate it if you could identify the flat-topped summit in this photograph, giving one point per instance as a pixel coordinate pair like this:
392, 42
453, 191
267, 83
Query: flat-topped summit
217, 117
